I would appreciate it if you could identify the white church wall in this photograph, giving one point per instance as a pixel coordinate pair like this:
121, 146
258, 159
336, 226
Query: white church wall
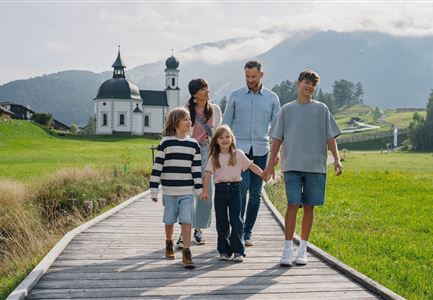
122, 107
101, 107
137, 123
153, 119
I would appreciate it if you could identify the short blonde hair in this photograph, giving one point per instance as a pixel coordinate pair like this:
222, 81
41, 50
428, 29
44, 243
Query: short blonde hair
172, 121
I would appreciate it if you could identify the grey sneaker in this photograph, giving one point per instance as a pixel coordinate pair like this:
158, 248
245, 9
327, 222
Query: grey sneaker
224, 257
302, 259
179, 243
286, 258
198, 237
238, 258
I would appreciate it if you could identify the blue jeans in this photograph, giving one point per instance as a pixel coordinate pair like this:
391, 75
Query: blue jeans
252, 183
228, 196
203, 209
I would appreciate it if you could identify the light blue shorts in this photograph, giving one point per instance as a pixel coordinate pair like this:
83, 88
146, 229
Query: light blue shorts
304, 188
178, 207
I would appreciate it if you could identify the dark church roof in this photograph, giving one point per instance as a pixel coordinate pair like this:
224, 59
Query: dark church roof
172, 62
118, 88
154, 98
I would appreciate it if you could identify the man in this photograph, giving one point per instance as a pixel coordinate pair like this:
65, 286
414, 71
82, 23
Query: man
249, 112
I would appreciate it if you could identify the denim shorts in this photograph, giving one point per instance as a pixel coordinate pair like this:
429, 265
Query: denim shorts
304, 188
178, 207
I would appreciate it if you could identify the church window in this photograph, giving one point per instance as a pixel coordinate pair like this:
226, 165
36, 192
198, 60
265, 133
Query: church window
147, 120
172, 82
104, 120
122, 119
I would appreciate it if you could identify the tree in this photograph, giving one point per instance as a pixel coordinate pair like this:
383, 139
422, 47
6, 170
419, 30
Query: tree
421, 130
91, 126
376, 114
74, 128
43, 119
358, 93
343, 92
286, 91
223, 104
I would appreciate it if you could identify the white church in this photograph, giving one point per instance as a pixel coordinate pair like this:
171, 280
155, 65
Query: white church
121, 108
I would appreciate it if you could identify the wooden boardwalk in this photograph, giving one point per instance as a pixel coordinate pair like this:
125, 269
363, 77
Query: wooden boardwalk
122, 258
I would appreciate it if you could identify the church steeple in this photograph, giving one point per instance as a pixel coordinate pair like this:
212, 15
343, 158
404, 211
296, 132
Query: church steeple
119, 67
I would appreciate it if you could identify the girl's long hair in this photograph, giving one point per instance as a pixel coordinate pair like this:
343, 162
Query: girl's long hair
214, 148
172, 121
194, 86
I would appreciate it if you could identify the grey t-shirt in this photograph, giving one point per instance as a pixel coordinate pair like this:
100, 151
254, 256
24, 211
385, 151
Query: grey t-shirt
304, 130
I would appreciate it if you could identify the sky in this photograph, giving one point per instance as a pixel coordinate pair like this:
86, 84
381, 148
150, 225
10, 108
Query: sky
42, 37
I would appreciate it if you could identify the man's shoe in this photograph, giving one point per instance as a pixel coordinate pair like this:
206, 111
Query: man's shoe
224, 257
286, 258
198, 237
238, 258
249, 242
169, 250
301, 259
187, 259
179, 243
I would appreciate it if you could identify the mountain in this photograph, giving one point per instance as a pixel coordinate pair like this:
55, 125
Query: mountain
394, 71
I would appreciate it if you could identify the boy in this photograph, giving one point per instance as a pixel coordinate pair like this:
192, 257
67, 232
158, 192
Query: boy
307, 130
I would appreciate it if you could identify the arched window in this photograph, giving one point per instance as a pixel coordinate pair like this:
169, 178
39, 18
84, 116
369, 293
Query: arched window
146, 120
172, 81
104, 120
122, 119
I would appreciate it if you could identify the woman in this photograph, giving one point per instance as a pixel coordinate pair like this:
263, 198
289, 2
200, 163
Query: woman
205, 117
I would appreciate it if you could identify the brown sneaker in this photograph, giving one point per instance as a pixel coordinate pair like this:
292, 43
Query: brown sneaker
187, 259
169, 249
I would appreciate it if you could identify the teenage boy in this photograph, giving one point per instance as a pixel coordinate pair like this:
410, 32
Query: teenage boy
306, 129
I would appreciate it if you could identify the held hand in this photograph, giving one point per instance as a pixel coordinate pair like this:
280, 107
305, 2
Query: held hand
203, 196
268, 172
155, 199
338, 167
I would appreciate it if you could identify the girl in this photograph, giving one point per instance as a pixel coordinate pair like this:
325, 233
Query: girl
205, 117
177, 167
226, 164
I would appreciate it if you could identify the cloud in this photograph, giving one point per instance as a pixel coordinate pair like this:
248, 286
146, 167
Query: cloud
56, 46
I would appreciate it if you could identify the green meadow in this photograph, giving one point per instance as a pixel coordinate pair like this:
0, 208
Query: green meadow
378, 219
28, 152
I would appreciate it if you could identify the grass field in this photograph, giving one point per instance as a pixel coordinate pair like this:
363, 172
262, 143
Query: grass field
401, 119
378, 219
29, 152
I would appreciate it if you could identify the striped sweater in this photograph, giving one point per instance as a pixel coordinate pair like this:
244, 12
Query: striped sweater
177, 167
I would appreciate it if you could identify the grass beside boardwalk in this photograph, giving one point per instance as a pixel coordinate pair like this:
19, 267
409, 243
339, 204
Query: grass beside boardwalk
378, 219
48, 182
27, 152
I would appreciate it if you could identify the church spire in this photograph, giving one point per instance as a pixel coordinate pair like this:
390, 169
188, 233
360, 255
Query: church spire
119, 67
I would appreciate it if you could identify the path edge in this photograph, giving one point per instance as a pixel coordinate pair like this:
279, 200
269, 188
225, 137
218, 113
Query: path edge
353, 274
22, 290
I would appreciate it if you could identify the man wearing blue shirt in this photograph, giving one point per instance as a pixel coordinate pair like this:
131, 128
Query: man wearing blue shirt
250, 111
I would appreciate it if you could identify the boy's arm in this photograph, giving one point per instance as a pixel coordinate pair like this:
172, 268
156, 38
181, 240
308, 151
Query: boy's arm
196, 171
332, 146
269, 170
205, 194
155, 176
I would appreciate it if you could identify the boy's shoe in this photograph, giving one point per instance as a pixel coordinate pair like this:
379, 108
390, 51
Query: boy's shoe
169, 250
301, 259
238, 258
198, 237
179, 243
286, 258
224, 257
187, 259
249, 242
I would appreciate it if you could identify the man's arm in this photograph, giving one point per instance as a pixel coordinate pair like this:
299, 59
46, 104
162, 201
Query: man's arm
332, 146
229, 112
270, 170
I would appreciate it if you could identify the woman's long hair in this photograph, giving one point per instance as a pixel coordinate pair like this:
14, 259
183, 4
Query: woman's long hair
172, 121
214, 148
194, 86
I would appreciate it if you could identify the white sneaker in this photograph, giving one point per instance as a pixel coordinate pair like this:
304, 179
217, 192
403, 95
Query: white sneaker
286, 258
238, 258
249, 242
224, 257
301, 259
